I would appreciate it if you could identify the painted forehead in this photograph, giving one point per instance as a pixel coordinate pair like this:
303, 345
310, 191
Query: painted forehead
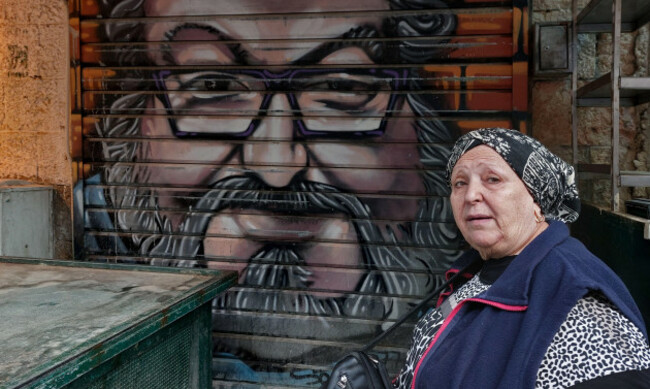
261, 37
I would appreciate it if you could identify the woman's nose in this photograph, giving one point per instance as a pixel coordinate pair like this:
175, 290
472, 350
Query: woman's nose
474, 192
271, 151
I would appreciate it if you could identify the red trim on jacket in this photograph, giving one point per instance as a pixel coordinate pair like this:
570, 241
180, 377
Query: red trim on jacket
505, 307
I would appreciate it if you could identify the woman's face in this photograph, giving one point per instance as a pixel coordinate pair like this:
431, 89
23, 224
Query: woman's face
491, 205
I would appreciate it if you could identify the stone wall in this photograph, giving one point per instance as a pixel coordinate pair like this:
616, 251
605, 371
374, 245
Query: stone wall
551, 105
34, 79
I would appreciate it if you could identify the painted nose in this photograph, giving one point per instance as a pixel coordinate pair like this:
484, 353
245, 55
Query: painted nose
271, 151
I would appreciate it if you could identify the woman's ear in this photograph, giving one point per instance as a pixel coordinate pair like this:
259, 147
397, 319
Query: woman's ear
539, 216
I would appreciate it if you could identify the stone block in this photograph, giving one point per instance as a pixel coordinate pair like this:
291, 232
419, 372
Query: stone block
583, 154
551, 106
584, 190
17, 151
49, 57
3, 46
639, 192
556, 15
542, 5
600, 154
53, 159
629, 61
586, 56
604, 53
551, 10
641, 51
601, 192
16, 43
595, 191
31, 106
594, 126
2, 105
628, 137
34, 11
37, 52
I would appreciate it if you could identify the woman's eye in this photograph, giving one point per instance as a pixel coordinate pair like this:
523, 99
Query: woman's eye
459, 183
493, 180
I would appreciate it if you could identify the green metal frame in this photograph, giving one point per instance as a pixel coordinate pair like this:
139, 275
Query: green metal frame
73, 364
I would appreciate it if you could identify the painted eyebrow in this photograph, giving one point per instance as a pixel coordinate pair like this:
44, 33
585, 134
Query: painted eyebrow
235, 48
312, 57
171, 34
345, 40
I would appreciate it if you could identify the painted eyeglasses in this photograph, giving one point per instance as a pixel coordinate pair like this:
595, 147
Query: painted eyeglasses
332, 102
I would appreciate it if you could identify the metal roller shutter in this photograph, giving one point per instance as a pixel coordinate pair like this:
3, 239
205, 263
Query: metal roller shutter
302, 143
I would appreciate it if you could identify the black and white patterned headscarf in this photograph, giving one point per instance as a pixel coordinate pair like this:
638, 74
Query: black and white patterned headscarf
550, 180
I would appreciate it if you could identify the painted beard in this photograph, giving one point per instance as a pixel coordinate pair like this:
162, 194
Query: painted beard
275, 279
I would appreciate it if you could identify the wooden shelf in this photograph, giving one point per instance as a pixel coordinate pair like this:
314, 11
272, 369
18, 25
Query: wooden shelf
633, 91
597, 16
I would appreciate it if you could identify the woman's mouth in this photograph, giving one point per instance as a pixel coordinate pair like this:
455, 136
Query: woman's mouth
478, 218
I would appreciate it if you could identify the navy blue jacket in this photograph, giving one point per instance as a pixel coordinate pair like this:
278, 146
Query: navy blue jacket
499, 338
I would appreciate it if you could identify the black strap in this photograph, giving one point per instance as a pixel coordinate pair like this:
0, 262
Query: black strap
418, 307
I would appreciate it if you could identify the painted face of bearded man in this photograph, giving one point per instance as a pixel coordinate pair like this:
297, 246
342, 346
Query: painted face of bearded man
293, 148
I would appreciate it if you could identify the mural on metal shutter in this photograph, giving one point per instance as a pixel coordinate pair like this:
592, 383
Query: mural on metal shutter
301, 143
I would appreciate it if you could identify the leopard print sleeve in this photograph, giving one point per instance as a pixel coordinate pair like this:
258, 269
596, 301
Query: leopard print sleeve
595, 340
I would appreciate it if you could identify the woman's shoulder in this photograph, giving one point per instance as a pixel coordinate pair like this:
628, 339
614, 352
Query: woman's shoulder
572, 257
571, 262
581, 273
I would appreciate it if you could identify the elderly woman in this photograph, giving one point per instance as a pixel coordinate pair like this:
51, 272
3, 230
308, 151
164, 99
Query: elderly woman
536, 309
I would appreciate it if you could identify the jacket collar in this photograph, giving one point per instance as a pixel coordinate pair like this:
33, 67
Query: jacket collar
512, 287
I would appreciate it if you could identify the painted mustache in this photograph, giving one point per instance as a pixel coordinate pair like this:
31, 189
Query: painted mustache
249, 192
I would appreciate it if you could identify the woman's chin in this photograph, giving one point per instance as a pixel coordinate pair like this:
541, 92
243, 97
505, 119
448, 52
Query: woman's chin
483, 239
485, 244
